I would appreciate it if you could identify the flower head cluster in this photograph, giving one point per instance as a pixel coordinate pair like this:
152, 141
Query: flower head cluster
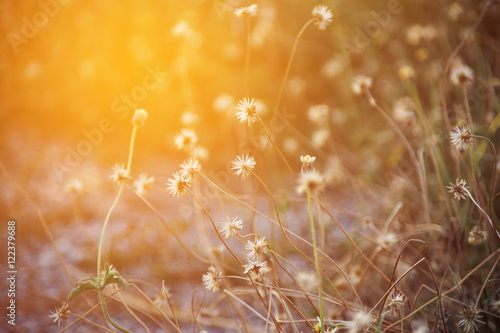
230, 228
212, 280
460, 137
461, 74
459, 190
307, 162
161, 298
322, 16
243, 164
360, 83
470, 318
179, 184
257, 248
60, 314
143, 184
247, 11
190, 167
311, 181
254, 266
186, 139
247, 111
360, 322
403, 110
120, 174
477, 236
139, 118
396, 303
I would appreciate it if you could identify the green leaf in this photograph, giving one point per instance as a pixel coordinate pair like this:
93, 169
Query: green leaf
83, 286
117, 279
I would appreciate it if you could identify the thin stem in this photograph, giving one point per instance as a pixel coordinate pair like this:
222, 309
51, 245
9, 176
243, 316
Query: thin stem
482, 211
131, 148
277, 150
466, 106
106, 314
213, 224
450, 59
286, 231
419, 168
106, 222
247, 55
316, 261
490, 204
294, 49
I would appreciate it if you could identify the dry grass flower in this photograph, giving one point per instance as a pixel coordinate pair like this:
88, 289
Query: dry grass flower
178, 184
461, 74
60, 314
460, 137
254, 266
360, 322
120, 174
249, 11
477, 236
247, 111
322, 16
360, 83
257, 248
243, 164
230, 228
307, 162
396, 303
139, 118
186, 139
470, 317
212, 279
190, 167
458, 189
310, 180
143, 184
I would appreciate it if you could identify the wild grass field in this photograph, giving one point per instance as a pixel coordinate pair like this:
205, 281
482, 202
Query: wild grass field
250, 166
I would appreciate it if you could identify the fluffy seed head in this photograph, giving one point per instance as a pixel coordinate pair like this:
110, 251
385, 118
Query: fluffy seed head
461, 74
143, 184
243, 164
186, 139
247, 111
307, 161
257, 248
254, 266
230, 228
360, 83
360, 322
178, 184
460, 137
322, 16
139, 118
247, 11
469, 319
190, 167
477, 236
311, 181
120, 174
458, 189
60, 314
212, 280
